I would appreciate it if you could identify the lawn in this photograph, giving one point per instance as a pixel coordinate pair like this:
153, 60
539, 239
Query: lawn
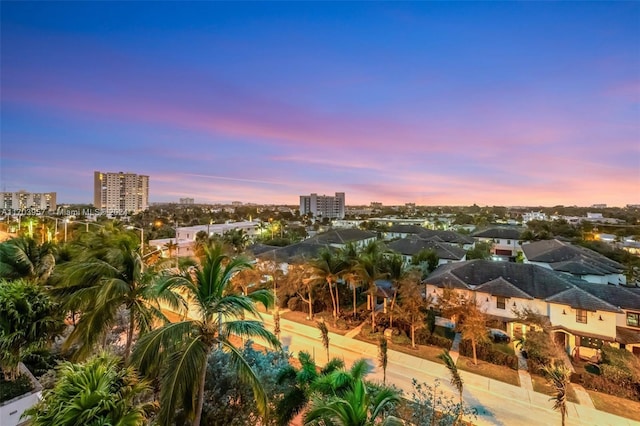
614, 405
492, 371
542, 385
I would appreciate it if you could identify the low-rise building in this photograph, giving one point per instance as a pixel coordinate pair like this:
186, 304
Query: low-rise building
583, 316
578, 261
412, 245
505, 241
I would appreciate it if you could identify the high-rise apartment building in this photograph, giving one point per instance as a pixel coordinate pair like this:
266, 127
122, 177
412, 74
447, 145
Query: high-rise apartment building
323, 205
120, 192
28, 200
187, 201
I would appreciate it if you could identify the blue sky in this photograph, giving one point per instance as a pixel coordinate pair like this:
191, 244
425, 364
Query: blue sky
515, 103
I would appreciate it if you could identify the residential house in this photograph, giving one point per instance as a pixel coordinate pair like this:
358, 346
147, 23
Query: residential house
339, 238
582, 316
505, 241
578, 261
449, 237
410, 246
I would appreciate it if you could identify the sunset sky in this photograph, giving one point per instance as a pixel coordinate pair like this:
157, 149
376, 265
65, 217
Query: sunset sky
521, 103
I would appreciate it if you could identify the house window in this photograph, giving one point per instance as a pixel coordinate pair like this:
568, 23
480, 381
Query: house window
633, 319
508, 241
501, 303
581, 316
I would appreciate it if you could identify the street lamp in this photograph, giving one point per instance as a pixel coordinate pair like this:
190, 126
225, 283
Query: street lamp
141, 238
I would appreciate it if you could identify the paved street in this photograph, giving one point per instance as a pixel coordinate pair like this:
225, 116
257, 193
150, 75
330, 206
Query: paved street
497, 403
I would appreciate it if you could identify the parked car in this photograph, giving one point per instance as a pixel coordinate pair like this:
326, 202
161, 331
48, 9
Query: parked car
499, 336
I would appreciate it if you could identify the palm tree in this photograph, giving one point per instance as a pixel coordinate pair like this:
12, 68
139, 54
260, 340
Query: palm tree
324, 335
383, 356
101, 283
328, 267
179, 351
29, 320
368, 269
396, 272
355, 407
349, 255
237, 239
559, 376
171, 246
98, 392
23, 257
456, 380
301, 382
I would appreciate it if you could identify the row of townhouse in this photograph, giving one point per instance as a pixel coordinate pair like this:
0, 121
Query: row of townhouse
583, 315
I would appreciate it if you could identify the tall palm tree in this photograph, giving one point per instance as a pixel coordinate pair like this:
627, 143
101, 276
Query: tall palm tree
383, 356
349, 255
23, 257
102, 282
179, 351
396, 272
369, 270
456, 379
356, 407
98, 392
302, 384
328, 267
324, 336
559, 376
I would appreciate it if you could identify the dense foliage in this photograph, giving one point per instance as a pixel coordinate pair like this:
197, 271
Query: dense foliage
29, 320
98, 392
228, 400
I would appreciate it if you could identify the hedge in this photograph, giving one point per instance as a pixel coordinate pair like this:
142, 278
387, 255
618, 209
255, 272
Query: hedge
423, 337
486, 352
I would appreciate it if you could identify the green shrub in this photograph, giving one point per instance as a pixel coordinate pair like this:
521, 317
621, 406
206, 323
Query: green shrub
295, 304
13, 389
487, 352
400, 339
602, 384
423, 337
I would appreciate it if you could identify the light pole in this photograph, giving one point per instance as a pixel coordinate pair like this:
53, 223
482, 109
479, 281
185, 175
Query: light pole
141, 238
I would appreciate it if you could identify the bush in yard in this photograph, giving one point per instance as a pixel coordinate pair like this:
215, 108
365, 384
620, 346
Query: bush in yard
602, 384
423, 337
539, 350
295, 304
487, 352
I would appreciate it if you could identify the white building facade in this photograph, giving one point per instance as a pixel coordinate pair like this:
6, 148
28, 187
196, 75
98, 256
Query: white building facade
120, 192
322, 206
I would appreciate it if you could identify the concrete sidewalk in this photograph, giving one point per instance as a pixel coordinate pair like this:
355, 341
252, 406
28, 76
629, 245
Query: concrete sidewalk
498, 403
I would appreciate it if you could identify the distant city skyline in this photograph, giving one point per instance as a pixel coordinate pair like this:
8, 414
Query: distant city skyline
444, 103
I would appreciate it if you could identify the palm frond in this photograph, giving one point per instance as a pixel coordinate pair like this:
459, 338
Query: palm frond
360, 369
151, 349
331, 366
181, 378
251, 330
456, 379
